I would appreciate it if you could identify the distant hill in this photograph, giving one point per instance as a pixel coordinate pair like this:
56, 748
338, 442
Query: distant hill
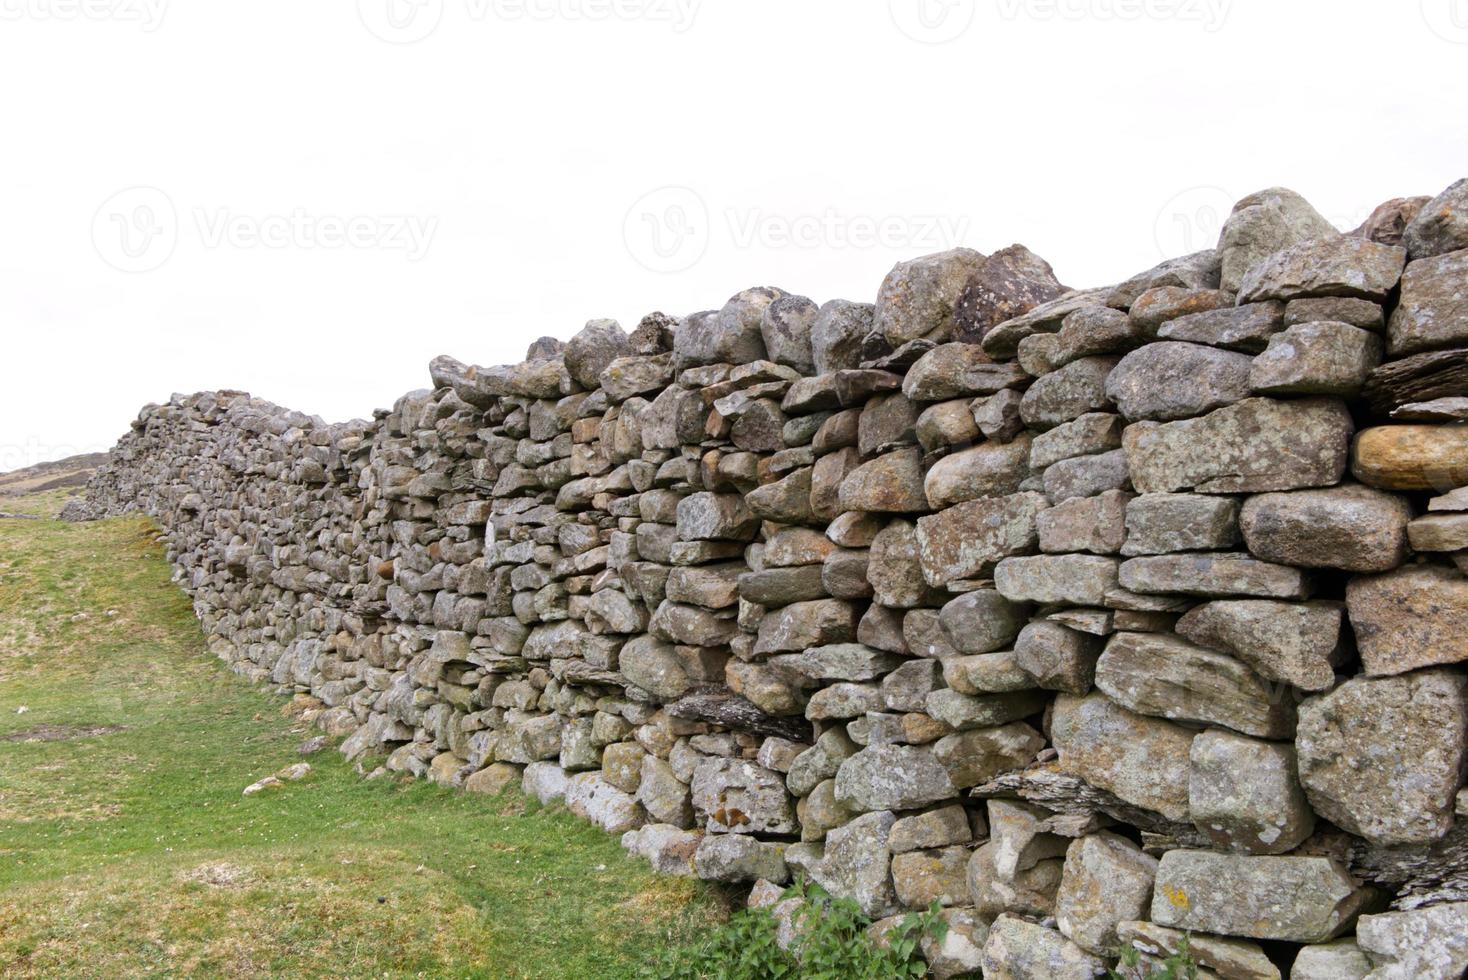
73, 471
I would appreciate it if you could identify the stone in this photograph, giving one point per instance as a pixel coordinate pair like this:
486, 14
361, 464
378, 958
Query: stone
923, 632
1199, 270
1066, 394
960, 951
1076, 580
1262, 224
545, 781
1294, 899
1248, 328
802, 625
1252, 446
887, 422
963, 712
597, 801
1163, 304
621, 765
1168, 677
1423, 944
787, 501
988, 470
1244, 796
715, 517
1441, 225
1213, 575
977, 756
735, 859
777, 587
712, 338
820, 762
942, 827
836, 336
1028, 891
957, 371
895, 567
947, 424
982, 621
786, 326
1002, 341
1382, 758
1316, 359
985, 673
1092, 433
1439, 533
691, 626
1219, 956
1414, 617
1090, 331
734, 796
892, 777
1011, 282
1020, 950
1412, 457
857, 864
670, 850
665, 797
1169, 380
922, 878
907, 687
1166, 523
998, 416
1353, 528
1094, 524
1144, 761
1325, 267
966, 541
627, 377
1292, 643
1431, 312
890, 484
1058, 658
918, 298
849, 662
1339, 960
1087, 476
1336, 309
1107, 881
843, 702
592, 351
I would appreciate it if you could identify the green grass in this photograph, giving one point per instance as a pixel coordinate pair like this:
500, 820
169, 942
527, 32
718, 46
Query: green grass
127, 849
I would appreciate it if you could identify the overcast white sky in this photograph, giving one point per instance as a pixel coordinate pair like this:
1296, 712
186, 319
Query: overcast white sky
310, 200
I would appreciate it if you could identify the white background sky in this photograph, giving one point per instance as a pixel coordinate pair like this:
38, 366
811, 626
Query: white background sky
508, 171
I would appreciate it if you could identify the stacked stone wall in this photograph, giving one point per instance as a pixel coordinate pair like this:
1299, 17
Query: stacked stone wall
1099, 617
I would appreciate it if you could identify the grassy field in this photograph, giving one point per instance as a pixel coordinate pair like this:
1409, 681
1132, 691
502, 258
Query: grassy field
127, 849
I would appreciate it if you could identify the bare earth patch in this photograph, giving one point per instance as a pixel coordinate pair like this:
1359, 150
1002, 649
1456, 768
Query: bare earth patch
61, 733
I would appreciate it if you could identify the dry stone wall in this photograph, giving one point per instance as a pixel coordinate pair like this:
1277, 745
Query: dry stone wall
1097, 616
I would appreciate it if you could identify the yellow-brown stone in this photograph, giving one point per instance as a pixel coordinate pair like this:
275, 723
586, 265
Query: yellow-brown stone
1412, 457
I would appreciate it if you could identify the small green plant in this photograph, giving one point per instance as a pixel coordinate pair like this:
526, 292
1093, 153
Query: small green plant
1178, 966
833, 943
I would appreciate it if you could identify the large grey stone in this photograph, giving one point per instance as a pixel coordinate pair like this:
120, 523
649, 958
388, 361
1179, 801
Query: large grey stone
1351, 527
1244, 794
1326, 267
886, 485
858, 864
1169, 380
786, 327
967, 540
1164, 523
1295, 899
591, 351
977, 756
1294, 643
1010, 282
1442, 224
1423, 944
735, 859
1262, 224
958, 371
734, 796
1316, 359
1414, 617
1077, 580
1107, 881
1066, 394
1339, 960
837, 335
1246, 328
1433, 311
1213, 575
1253, 446
992, 469
1145, 761
982, 621
918, 298
1383, 757
1020, 950
1168, 677
892, 777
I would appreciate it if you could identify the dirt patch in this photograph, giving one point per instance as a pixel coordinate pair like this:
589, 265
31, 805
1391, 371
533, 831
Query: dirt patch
61, 733
219, 875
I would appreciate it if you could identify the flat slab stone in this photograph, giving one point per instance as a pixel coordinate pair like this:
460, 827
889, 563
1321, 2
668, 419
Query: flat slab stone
1170, 380
1213, 576
1244, 795
1294, 643
1339, 266
1433, 311
1295, 899
892, 777
1164, 523
1168, 677
1253, 446
966, 541
1424, 944
1353, 528
1077, 580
